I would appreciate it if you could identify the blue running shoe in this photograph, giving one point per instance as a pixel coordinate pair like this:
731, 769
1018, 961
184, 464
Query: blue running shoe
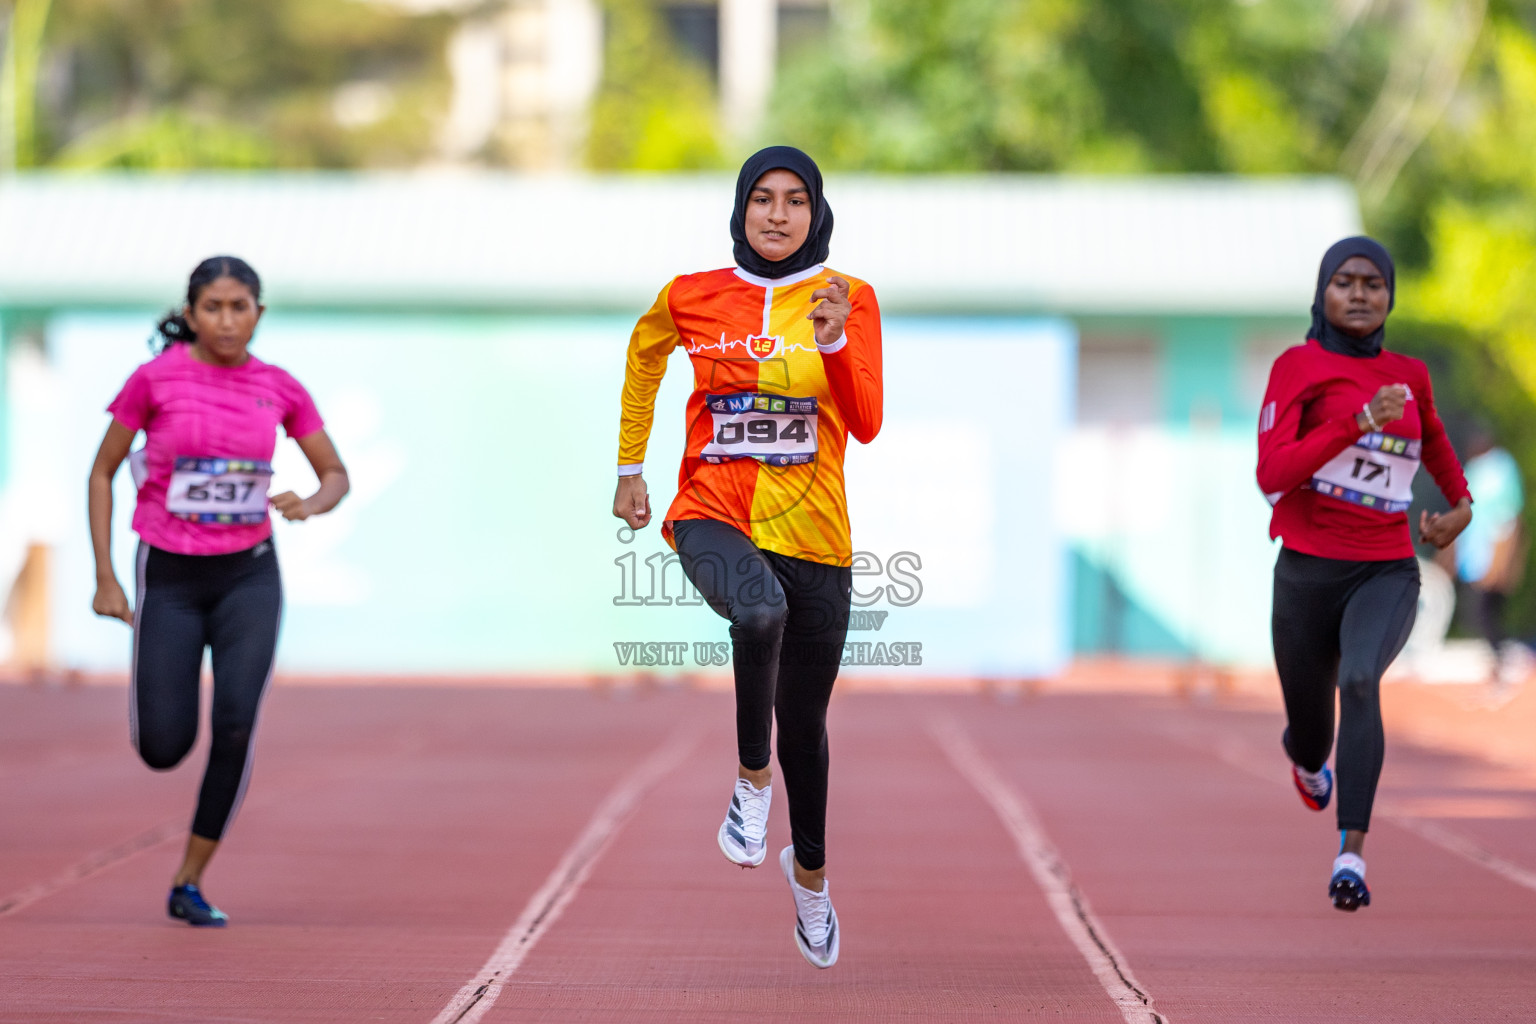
187, 904
1347, 886
1315, 787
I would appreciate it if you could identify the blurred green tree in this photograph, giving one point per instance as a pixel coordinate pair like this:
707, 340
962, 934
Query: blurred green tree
183, 84
1428, 106
656, 107
1084, 85
1472, 297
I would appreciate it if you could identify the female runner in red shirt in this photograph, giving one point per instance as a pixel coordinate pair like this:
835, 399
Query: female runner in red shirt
1343, 429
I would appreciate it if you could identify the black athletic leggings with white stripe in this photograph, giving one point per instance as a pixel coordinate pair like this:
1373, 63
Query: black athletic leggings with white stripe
789, 618
1339, 623
232, 604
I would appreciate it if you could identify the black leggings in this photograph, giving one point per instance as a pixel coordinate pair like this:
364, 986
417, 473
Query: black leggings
1340, 623
231, 603
789, 618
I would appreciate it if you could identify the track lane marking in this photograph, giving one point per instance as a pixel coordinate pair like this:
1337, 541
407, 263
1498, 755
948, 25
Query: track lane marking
1464, 847
1240, 755
94, 864
544, 908
1051, 874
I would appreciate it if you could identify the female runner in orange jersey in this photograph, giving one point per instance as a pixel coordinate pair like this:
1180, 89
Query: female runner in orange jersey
786, 363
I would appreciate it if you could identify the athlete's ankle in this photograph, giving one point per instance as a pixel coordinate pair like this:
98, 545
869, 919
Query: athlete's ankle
760, 778
1352, 841
815, 881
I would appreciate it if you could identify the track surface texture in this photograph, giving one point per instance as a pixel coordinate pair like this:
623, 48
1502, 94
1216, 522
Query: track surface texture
420, 854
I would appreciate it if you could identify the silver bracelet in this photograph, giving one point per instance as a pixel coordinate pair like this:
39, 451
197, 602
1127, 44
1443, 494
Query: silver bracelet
1366, 408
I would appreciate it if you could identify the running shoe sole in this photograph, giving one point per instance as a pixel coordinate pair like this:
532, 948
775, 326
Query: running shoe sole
1348, 892
834, 933
731, 855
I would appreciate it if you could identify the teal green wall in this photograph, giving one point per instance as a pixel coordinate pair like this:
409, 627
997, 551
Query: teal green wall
1107, 620
1170, 551
5, 405
1202, 359
1145, 585
478, 536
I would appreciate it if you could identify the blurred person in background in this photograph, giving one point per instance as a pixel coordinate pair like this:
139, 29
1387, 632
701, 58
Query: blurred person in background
1424, 655
786, 360
1490, 553
207, 574
1343, 428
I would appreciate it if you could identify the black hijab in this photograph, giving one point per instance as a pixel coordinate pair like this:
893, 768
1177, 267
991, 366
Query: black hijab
1329, 336
817, 243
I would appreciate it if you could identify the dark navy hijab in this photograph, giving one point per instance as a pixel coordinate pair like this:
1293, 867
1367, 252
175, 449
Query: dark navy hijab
1329, 336
817, 242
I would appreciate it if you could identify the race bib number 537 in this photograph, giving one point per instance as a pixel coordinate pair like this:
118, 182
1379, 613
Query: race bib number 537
775, 429
229, 491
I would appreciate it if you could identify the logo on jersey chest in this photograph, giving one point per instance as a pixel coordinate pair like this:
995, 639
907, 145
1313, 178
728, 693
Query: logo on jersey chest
764, 346
760, 347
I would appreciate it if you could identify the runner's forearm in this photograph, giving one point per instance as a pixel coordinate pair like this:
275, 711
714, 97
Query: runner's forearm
334, 485
99, 513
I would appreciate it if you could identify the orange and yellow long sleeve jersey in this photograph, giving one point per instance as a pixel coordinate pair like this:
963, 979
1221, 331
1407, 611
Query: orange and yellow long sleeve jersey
771, 410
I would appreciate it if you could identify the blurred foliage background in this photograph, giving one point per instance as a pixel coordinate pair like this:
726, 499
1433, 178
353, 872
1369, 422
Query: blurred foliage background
1427, 106
655, 110
188, 84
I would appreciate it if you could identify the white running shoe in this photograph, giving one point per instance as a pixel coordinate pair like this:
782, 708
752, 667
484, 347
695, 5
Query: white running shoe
816, 932
744, 833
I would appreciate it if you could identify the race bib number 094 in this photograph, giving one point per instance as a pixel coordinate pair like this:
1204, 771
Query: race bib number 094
228, 491
775, 429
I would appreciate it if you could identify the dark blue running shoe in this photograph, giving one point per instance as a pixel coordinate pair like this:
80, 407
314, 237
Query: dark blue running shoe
187, 904
1315, 787
1347, 886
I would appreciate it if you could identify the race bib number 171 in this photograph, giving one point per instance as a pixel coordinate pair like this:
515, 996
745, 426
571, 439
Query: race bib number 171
1376, 472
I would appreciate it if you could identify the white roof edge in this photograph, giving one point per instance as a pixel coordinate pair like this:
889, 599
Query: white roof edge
998, 243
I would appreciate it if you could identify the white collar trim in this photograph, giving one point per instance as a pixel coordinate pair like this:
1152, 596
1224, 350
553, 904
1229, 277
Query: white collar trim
780, 282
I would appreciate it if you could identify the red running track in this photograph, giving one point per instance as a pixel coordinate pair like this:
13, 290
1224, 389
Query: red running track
394, 837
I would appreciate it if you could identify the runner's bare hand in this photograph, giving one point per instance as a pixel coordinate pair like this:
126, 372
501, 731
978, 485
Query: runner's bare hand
110, 602
294, 508
1387, 406
1441, 528
632, 502
832, 309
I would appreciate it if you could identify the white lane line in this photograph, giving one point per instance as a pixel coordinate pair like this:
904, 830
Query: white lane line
1045, 862
545, 906
1464, 847
94, 864
1243, 757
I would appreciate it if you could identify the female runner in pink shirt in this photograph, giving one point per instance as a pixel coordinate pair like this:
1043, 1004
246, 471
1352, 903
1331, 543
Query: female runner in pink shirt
207, 574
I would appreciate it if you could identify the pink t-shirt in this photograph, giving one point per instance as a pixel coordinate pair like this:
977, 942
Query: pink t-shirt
190, 409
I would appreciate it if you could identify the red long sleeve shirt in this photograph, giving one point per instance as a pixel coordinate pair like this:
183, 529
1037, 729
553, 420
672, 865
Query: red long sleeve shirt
1308, 437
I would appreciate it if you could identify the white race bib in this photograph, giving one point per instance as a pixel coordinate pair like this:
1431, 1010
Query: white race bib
775, 429
1376, 471
228, 491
